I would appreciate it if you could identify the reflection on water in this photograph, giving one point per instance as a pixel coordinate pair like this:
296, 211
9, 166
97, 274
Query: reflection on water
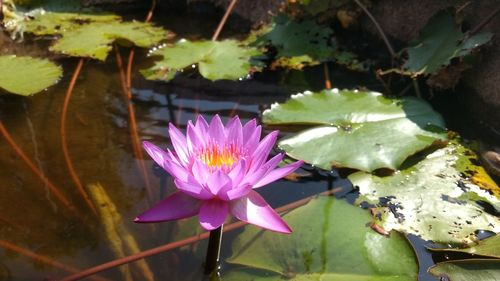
99, 143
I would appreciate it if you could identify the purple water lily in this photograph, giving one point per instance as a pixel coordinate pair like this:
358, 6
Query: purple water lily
216, 170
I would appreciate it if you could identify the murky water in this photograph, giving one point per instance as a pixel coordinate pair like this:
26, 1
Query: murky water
42, 238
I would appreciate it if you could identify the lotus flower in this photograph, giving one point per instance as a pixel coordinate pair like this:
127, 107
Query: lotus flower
216, 170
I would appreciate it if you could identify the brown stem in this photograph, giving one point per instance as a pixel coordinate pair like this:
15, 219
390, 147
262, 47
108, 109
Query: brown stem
52, 188
379, 28
183, 242
43, 259
328, 83
223, 20
484, 22
134, 135
64, 142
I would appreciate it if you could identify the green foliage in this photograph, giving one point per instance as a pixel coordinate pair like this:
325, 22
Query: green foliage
215, 60
26, 75
489, 247
382, 132
426, 199
440, 41
467, 270
330, 241
91, 35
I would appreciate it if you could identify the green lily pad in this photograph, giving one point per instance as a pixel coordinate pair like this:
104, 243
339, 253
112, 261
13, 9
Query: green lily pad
426, 199
440, 41
26, 75
489, 247
361, 130
41, 22
298, 44
330, 242
467, 270
215, 60
94, 40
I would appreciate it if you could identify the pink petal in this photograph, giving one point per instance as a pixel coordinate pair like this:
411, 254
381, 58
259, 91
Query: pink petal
176, 206
262, 152
254, 209
163, 159
200, 172
278, 174
216, 181
252, 140
249, 128
193, 138
234, 131
216, 130
201, 125
254, 176
193, 189
236, 193
159, 155
213, 213
179, 142
238, 172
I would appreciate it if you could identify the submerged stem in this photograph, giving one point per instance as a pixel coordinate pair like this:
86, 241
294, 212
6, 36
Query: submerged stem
213, 251
64, 142
52, 188
223, 20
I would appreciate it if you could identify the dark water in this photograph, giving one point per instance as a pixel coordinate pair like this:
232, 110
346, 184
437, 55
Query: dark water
31, 218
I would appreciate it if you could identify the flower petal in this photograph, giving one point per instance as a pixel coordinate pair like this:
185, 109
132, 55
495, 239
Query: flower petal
237, 192
217, 181
254, 209
176, 206
238, 172
234, 131
252, 140
193, 189
179, 142
278, 174
193, 138
201, 125
213, 213
200, 172
217, 130
254, 176
249, 128
262, 151
163, 159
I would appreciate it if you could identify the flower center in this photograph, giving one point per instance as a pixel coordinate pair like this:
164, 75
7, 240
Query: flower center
220, 157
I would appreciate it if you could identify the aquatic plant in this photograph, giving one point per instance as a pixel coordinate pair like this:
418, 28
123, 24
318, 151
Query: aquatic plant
216, 169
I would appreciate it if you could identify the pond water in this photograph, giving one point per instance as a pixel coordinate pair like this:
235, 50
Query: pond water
99, 143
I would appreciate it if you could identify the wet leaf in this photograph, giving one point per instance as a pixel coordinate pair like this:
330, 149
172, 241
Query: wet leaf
298, 44
440, 41
214, 59
41, 22
26, 75
94, 40
335, 244
430, 199
489, 247
383, 132
467, 270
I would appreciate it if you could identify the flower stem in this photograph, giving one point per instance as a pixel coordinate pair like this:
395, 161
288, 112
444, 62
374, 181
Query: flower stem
213, 251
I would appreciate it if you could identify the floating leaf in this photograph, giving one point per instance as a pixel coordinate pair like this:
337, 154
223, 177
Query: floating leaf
428, 199
467, 270
489, 247
215, 59
330, 242
382, 132
298, 44
26, 75
94, 40
41, 22
440, 41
